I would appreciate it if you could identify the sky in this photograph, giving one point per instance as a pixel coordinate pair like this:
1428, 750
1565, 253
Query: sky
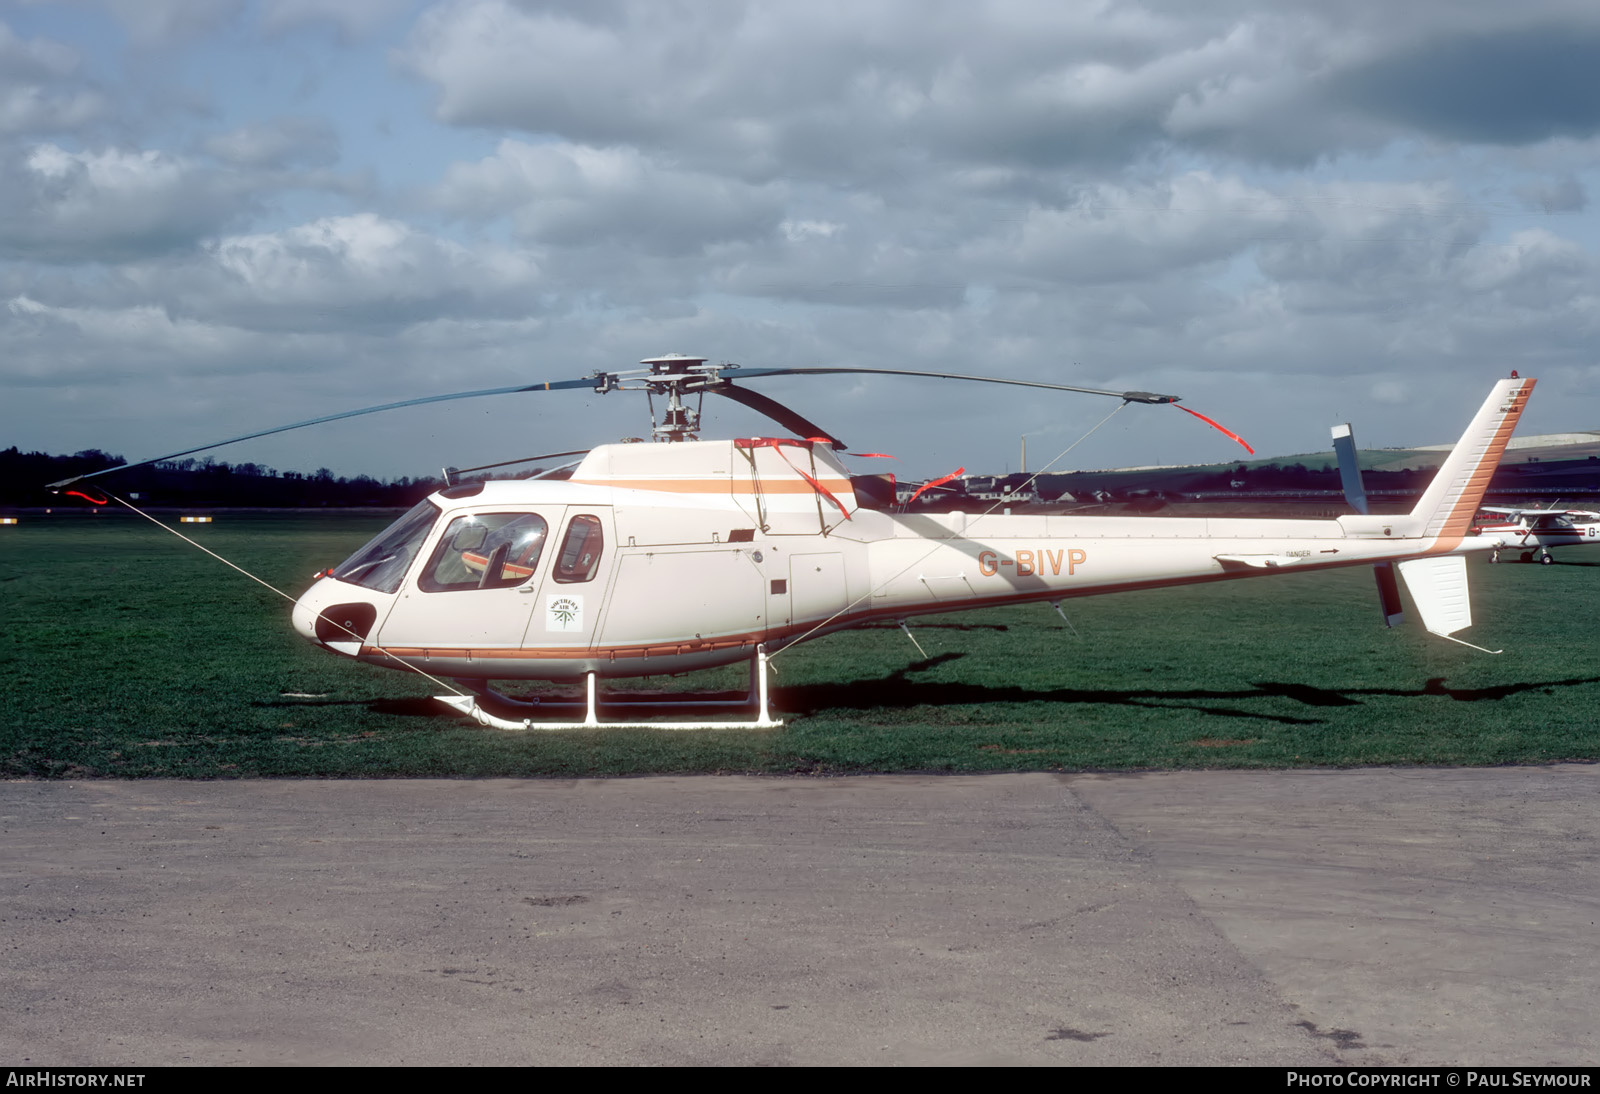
217, 216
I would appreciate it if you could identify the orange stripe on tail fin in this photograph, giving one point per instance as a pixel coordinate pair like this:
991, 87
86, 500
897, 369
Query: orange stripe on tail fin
1446, 509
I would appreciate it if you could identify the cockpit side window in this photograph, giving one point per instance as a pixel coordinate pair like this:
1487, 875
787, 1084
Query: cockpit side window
486, 551
580, 551
381, 565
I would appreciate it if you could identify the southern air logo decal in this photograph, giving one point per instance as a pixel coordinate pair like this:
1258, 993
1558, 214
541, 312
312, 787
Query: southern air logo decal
564, 613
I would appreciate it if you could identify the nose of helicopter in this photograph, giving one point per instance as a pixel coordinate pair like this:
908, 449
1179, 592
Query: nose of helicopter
306, 610
333, 614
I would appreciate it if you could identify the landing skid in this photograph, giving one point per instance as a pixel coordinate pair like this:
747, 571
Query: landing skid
474, 707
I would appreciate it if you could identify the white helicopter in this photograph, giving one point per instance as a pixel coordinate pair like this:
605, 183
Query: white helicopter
1532, 532
668, 558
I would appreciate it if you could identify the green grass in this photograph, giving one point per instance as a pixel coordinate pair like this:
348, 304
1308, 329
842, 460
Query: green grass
124, 652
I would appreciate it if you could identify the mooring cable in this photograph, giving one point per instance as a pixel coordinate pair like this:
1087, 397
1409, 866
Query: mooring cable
293, 600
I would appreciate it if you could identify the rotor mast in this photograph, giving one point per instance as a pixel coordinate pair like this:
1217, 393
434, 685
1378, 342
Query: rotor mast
674, 375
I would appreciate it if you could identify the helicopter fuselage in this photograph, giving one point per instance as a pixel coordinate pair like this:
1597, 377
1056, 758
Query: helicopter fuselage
667, 558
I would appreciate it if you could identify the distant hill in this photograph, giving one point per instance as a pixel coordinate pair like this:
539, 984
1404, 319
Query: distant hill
1549, 446
1537, 470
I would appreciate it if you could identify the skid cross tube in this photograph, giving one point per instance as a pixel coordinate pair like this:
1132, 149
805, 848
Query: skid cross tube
473, 708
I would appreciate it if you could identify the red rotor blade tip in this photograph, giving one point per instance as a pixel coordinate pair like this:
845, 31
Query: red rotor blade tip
1219, 428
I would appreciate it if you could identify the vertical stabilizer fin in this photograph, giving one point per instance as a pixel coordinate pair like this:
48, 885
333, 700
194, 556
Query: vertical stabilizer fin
1446, 509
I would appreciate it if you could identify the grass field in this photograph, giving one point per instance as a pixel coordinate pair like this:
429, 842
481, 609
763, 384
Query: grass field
129, 653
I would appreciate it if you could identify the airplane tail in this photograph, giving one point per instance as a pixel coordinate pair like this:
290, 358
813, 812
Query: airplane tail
1446, 509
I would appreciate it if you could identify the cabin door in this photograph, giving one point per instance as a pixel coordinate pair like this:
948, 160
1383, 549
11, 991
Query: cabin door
568, 605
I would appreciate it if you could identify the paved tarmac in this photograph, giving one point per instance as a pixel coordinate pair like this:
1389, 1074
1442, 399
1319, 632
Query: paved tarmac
1408, 916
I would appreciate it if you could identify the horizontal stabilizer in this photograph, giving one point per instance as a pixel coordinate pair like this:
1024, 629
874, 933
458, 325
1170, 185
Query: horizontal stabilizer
1259, 562
1438, 587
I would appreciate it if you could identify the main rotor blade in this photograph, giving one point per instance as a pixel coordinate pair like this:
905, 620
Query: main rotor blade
525, 459
596, 383
1130, 396
1220, 428
797, 424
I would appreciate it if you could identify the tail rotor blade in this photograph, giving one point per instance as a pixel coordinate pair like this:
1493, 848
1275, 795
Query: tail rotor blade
1389, 594
1344, 447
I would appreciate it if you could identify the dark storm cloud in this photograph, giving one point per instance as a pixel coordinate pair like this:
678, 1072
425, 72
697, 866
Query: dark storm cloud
1515, 86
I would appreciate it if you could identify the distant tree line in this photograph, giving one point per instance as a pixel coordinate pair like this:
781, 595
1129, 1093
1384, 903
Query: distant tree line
208, 482
204, 482
1574, 478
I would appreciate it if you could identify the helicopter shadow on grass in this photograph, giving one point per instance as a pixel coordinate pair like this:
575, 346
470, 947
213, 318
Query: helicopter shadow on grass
420, 706
923, 626
898, 691
1553, 562
568, 704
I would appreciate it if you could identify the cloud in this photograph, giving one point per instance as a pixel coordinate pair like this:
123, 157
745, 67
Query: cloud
41, 90
278, 143
830, 91
566, 194
1108, 234
354, 19
360, 272
57, 346
813, 90
1514, 86
159, 23
1261, 206
1560, 195
62, 206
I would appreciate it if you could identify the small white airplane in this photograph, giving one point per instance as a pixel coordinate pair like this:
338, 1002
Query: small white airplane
1532, 532
668, 558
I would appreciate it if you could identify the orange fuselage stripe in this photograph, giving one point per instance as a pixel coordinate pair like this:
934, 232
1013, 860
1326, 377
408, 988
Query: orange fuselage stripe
719, 487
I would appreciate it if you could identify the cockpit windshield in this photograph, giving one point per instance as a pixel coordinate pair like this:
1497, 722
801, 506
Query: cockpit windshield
485, 551
382, 563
